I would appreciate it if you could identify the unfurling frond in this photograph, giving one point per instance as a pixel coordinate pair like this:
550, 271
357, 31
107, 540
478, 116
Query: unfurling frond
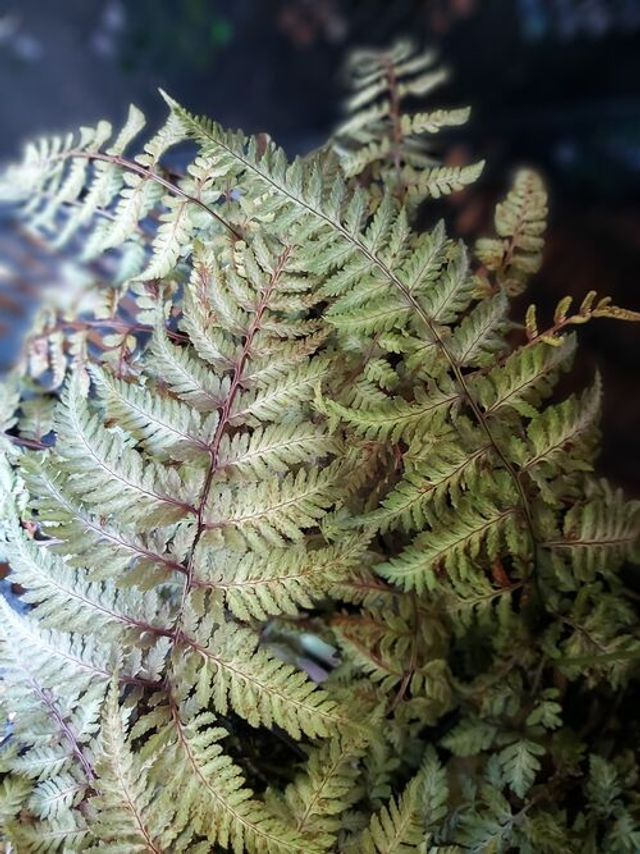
590, 308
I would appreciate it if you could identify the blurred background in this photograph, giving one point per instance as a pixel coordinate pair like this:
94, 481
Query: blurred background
553, 83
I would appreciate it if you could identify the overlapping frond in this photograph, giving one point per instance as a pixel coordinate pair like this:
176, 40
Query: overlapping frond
74, 660
263, 689
83, 184
63, 598
277, 508
205, 792
283, 582
319, 796
108, 472
123, 813
598, 533
180, 506
525, 379
455, 547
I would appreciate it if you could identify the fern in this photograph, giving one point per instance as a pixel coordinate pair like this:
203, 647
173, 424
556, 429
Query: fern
396, 829
516, 253
310, 552
379, 138
123, 811
84, 190
219, 506
318, 797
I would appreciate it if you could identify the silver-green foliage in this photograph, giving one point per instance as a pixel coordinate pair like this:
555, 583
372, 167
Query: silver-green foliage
171, 523
303, 421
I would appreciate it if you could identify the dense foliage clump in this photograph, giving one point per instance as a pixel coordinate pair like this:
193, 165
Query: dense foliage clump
310, 552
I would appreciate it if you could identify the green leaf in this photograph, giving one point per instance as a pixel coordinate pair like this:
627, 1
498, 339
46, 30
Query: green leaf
520, 764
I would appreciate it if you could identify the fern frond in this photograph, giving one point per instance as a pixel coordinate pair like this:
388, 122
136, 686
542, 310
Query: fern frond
185, 375
276, 508
359, 643
561, 436
591, 307
83, 664
440, 181
519, 764
255, 587
446, 303
173, 237
274, 448
481, 334
520, 220
13, 794
75, 661
446, 472
123, 812
64, 599
69, 833
527, 376
205, 793
399, 648
378, 137
166, 426
396, 418
36, 417
455, 545
285, 190
317, 798
397, 828
311, 497
86, 537
107, 472
55, 723
262, 689
54, 797
71, 184
287, 391
599, 533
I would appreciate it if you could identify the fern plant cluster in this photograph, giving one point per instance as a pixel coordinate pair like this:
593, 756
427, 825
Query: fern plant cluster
313, 550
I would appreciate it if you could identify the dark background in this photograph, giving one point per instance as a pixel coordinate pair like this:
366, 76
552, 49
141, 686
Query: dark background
553, 83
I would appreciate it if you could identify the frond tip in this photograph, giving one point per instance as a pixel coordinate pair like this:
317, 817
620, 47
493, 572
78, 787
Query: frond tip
379, 141
520, 221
